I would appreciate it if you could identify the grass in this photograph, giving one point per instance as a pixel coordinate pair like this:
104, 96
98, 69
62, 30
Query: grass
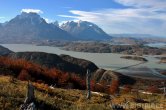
13, 91
152, 102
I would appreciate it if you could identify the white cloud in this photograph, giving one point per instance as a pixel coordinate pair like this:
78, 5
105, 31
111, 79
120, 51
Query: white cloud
32, 11
48, 20
143, 16
143, 3
60, 23
1, 17
75, 20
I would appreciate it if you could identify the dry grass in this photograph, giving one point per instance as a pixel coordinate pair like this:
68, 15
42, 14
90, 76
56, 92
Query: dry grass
151, 102
12, 94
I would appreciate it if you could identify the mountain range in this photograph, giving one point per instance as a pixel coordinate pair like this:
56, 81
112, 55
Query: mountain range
31, 26
84, 30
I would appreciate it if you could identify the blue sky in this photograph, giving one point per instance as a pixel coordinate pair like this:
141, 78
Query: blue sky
113, 16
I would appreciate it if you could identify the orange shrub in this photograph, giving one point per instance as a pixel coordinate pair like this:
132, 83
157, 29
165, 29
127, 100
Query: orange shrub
153, 89
24, 75
100, 88
26, 70
114, 87
127, 88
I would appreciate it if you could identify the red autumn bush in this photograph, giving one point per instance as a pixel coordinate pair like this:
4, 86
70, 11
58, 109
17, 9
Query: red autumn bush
25, 70
100, 88
24, 75
114, 87
127, 88
153, 89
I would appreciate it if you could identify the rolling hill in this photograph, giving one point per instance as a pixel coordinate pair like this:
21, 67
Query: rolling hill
63, 62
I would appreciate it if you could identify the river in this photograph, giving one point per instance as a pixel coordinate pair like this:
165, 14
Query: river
102, 60
158, 45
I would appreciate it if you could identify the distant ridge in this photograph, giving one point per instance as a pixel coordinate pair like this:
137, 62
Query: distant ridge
136, 35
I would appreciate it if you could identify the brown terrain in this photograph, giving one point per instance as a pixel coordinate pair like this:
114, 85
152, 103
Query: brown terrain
68, 91
134, 58
98, 47
162, 60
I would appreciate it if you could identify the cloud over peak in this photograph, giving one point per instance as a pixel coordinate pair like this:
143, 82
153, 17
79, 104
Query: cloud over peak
32, 11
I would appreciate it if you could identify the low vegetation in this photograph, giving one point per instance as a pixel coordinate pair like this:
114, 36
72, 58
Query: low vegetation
59, 90
25, 70
48, 98
13, 93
